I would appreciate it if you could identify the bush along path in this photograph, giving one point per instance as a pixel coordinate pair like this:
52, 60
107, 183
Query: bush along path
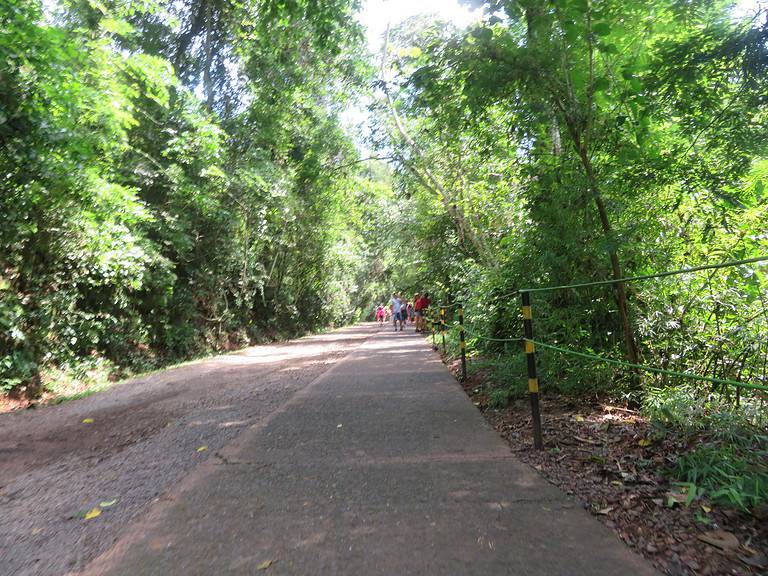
686, 499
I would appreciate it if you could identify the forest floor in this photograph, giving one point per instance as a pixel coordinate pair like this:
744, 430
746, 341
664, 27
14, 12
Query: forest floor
115, 453
606, 456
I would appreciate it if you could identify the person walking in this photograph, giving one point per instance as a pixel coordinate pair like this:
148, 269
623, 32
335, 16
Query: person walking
423, 306
417, 311
397, 311
381, 314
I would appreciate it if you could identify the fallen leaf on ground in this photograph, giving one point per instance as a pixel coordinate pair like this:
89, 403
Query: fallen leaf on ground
604, 511
92, 513
720, 539
627, 477
264, 565
108, 503
675, 497
579, 418
757, 560
760, 511
644, 442
87, 420
587, 440
202, 448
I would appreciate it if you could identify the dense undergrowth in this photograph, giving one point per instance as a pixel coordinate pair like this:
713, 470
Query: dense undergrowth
728, 457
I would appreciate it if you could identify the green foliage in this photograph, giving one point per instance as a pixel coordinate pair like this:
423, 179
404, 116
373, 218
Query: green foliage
694, 408
18, 364
582, 141
139, 224
726, 474
499, 398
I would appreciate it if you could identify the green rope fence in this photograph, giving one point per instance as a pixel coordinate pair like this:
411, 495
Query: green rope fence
645, 368
623, 364
650, 276
530, 343
473, 334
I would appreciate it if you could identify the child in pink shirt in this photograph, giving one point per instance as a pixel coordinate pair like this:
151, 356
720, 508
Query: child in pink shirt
380, 314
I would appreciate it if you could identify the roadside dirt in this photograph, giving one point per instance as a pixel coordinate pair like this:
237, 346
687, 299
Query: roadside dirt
602, 455
127, 445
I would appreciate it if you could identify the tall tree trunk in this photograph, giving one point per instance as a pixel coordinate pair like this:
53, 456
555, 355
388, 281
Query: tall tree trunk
426, 176
579, 129
620, 291
207, 82
246, 239
619, 288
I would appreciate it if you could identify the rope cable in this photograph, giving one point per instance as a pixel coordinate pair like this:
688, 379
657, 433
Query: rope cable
489, 339
650, 276
646, 368
473, 334
514, 292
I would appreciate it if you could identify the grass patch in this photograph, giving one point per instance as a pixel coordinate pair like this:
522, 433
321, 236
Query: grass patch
78, 381
503, 378
93, 375
726, 474
728, 461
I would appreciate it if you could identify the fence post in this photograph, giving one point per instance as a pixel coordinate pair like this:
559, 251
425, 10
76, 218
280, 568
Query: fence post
462, 344
533, 381
442, 326
433, 323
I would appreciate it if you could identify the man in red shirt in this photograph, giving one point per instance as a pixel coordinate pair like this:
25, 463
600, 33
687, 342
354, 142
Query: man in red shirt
421, 306
417, 310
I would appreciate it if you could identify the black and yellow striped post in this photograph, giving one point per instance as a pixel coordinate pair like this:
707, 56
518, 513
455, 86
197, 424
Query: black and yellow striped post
462, 344
533, 381
433, 322
442, 326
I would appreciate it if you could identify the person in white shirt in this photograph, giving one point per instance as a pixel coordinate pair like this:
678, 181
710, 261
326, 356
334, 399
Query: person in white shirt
397, 311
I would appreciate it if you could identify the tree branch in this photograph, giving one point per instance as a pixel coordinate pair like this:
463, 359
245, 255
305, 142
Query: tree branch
427, 177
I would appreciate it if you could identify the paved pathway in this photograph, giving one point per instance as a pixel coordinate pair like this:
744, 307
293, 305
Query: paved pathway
133, 442
380, 466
